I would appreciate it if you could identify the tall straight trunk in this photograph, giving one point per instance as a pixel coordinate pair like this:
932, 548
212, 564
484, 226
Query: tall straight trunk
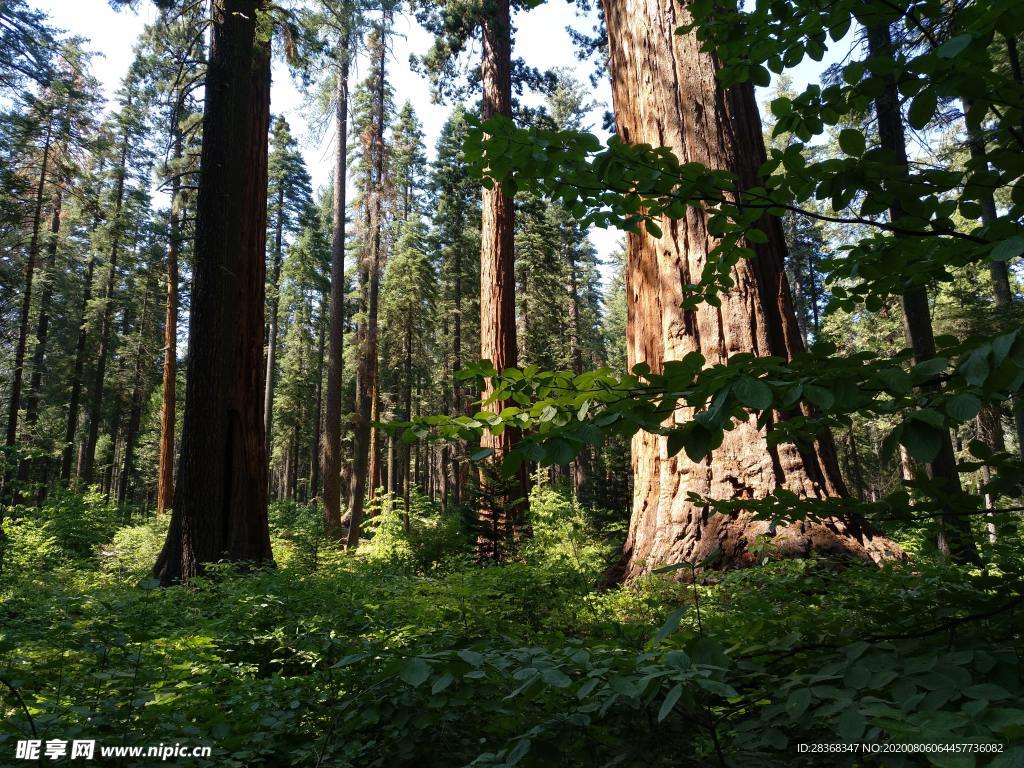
168, 400
74, 402
272, 332
407, 414
318, 414
42, 333
500, 517
457, 402
998, 270
366, 377
375, 467
954, 535
43, 322
99, 379
331, 448
220, 502
135, 409
581, 464
666, 93
18, 373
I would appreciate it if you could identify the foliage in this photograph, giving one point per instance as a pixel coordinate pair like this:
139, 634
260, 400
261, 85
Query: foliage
367, 658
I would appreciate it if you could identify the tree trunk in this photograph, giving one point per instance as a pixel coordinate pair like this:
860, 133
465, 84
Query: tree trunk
999, 270
331, 448
314, 452
76, 379
954, 536
272, 331
99, 380
500, 520
366, 377
220, 503
665, 93
581, 464
168, 400
43, 322
26, 300
135, 410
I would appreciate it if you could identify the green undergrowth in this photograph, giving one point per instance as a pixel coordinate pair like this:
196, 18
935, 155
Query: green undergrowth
408, 654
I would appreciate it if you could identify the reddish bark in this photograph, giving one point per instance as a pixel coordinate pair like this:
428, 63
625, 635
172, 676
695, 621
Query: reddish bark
499, 518
220, 503
666, 94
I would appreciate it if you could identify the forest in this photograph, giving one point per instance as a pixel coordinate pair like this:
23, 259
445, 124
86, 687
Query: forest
480, 422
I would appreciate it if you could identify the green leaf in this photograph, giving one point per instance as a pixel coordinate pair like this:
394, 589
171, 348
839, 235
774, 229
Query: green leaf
441, 683
921, 440
670, 701
895, 380
851, 724
670, 625
819, 396
954, 46
480, 454
963, 407
922, 108
415, 671
1008, 249
798, 702
753, 393
987, 691
851, 141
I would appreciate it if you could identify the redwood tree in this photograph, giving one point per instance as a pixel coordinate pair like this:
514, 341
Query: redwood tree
220, 502
666, 93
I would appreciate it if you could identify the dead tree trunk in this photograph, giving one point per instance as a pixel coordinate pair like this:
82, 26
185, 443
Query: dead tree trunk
220, 503
666, 93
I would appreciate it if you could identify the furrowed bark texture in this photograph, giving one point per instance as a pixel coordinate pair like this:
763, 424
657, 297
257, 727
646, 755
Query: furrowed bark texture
498, 518
220, 503
665, 94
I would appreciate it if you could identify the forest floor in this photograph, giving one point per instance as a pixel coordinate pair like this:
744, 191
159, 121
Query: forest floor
408, 654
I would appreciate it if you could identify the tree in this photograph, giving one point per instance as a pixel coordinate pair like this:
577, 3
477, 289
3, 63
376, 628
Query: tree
116, 235
220, 502
407, 311
373, 114
290, 207
174, 64
454, 236
335, 28
954, 534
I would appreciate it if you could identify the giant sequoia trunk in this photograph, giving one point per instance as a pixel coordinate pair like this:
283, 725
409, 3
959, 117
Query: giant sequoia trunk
499, 518
220, 503
665, 93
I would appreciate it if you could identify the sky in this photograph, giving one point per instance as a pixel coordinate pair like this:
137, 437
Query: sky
541, 39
